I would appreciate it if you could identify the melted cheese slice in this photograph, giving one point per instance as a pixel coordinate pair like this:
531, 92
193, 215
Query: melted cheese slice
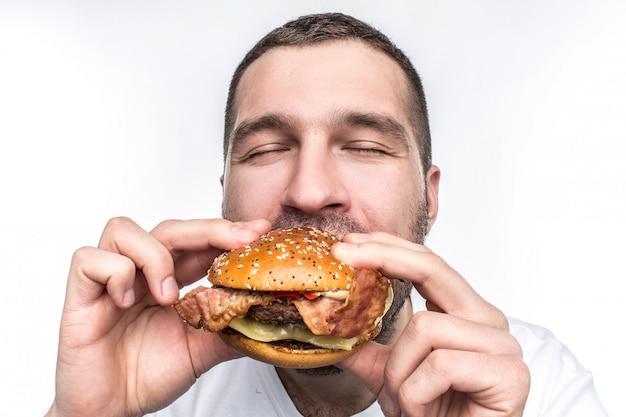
265, 332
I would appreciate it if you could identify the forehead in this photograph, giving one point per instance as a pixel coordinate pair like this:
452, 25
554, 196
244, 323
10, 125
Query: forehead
330, 76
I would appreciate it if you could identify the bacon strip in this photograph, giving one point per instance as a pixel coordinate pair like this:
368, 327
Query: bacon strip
214, 308
353, 317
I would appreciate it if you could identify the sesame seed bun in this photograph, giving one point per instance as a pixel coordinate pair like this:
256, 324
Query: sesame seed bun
295, 259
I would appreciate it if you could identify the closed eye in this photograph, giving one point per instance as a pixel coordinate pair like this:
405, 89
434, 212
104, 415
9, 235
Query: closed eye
264, 151
366, 148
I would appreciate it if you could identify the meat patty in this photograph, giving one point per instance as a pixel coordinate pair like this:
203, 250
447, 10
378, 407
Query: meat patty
275, 313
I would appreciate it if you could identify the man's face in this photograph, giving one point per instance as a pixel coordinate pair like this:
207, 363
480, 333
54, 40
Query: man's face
322, 131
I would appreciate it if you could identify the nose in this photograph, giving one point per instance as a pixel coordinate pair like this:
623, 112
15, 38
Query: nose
316, 186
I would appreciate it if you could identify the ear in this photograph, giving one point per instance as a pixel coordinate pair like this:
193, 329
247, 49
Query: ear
222, 181
432, 194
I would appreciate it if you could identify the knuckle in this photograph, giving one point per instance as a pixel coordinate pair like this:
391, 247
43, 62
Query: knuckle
162, 256
406, 396
126, 268
389, 375
498, 319
80, 259
513, 346
165, 230
438, 360
116, 223
420, 324
519, 370
165, 225
81, 255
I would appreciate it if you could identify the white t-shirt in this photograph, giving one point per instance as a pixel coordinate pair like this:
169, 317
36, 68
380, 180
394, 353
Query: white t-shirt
560, 386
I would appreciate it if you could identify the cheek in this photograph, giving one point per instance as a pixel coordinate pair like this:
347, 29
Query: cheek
389, 200
249, 197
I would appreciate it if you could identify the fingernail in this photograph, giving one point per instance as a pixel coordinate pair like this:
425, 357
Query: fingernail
242, 230
359, 237
347, 245
129, 297
391, 409
169, 288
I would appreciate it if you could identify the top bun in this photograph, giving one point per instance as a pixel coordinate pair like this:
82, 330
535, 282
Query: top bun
295, 259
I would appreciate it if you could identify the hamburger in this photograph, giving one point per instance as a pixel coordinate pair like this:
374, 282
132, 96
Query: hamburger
285, 300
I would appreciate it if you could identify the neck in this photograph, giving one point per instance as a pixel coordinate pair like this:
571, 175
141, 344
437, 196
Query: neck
341, 394
331, 395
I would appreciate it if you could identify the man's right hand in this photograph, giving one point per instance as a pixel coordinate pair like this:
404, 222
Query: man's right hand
123, 351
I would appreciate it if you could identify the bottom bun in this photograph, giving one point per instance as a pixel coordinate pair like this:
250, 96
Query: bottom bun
289, 354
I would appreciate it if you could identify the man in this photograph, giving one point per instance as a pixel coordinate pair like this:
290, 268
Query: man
326, 125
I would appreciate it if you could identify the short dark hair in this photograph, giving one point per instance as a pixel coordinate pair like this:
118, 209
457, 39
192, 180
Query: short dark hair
317, 28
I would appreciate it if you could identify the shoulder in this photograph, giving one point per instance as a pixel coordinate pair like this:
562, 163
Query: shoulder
560, 386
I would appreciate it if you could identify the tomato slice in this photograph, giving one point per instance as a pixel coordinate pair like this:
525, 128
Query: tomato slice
294, 295
310, 295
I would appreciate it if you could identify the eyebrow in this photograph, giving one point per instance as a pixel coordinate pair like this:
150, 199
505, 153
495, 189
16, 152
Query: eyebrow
272, 121
384, 124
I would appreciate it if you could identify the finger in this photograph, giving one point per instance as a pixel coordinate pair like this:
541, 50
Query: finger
369, 365
384, 238
206, 350
502, 387
434, 279
189, 242
430, 306
195, 243
200, 234
122, 235
429, 331
398, 258
93, 271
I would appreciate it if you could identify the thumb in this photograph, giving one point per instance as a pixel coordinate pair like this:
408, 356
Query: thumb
369, 365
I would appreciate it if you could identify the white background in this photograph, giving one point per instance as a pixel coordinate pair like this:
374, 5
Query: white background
115, 108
